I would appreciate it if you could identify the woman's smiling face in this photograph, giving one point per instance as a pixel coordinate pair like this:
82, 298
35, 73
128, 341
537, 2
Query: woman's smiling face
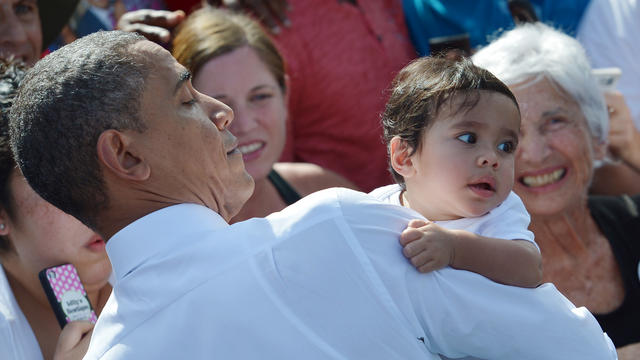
554, 160
243, 82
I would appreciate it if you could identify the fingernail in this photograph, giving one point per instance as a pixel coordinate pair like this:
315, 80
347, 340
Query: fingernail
275, 29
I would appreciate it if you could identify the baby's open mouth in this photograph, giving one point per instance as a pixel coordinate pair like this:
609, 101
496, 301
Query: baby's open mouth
483, 186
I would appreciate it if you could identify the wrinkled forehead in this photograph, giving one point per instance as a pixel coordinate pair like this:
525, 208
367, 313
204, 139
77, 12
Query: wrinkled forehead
539, 92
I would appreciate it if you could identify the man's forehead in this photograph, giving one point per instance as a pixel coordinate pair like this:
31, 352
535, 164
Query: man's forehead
153, 54
163, 65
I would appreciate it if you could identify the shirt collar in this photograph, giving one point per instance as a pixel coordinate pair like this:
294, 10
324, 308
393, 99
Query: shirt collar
156, 232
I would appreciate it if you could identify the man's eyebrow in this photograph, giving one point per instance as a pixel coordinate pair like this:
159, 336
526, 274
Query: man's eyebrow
184, 77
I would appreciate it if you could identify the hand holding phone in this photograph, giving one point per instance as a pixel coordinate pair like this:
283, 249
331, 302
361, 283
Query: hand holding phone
66, 294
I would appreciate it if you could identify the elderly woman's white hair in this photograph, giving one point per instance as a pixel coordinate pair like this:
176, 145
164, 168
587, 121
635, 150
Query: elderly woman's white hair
533, 51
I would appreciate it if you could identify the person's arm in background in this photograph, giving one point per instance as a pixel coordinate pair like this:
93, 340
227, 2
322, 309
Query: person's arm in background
156, 25
512, 262
623, 175
624, 137
629, 352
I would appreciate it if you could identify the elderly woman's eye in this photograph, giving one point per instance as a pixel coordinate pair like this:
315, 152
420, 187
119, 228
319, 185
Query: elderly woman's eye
555, 123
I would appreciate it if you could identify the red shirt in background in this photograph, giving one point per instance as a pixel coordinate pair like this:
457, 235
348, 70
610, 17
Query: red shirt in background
341, 59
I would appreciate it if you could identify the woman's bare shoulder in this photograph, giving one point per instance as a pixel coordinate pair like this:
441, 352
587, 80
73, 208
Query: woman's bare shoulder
307, 178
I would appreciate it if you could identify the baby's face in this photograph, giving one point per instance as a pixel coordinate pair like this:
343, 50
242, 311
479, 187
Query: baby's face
465, 166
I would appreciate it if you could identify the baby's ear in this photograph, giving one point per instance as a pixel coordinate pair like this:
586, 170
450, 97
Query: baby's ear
400, 158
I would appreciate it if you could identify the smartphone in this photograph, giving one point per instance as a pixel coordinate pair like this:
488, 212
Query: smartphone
66, 294
607, 78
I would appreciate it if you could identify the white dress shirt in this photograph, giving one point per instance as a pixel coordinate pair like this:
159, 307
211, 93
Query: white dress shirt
322, 279
509, 220
17, 340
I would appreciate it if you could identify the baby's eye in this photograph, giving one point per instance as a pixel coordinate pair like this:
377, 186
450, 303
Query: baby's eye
507, 146
468, 138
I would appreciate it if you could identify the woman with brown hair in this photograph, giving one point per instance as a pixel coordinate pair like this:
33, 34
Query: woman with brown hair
233, 60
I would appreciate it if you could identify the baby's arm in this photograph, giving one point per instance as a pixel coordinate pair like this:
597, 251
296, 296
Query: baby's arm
512, 262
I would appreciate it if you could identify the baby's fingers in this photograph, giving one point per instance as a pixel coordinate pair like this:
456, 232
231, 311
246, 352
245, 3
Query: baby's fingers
431, 265
411, 247
420, 259
416, 223
409, 235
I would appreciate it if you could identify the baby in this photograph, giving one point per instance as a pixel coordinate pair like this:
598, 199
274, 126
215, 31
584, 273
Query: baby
451, 130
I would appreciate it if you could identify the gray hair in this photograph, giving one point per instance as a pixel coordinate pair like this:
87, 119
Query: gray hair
535, 50
63, 105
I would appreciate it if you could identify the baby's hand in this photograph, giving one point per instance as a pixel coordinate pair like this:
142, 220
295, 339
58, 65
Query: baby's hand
428, 246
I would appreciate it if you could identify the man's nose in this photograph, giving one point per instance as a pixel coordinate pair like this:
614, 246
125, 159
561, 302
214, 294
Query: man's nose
219, 112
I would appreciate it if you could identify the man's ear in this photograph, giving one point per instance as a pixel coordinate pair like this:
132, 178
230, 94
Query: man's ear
399, 157
117, 153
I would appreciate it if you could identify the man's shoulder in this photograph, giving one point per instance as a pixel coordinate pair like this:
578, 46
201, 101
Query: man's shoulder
339, 202
320, 206
353, 208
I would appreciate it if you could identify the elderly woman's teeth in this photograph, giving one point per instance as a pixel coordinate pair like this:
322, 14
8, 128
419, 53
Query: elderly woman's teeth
545, 179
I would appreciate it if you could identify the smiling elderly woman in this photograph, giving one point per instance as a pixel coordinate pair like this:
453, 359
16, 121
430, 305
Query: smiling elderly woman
589, 244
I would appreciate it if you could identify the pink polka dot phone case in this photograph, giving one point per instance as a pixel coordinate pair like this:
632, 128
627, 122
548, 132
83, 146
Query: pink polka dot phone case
66, 294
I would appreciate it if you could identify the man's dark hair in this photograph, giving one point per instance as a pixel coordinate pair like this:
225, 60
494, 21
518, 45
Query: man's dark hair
63, 105
420, 90
11, 74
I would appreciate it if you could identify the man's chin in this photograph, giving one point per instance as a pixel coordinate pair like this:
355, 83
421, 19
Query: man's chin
240, 197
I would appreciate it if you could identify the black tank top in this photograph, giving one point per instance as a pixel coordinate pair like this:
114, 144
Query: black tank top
619, 221
288, 194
